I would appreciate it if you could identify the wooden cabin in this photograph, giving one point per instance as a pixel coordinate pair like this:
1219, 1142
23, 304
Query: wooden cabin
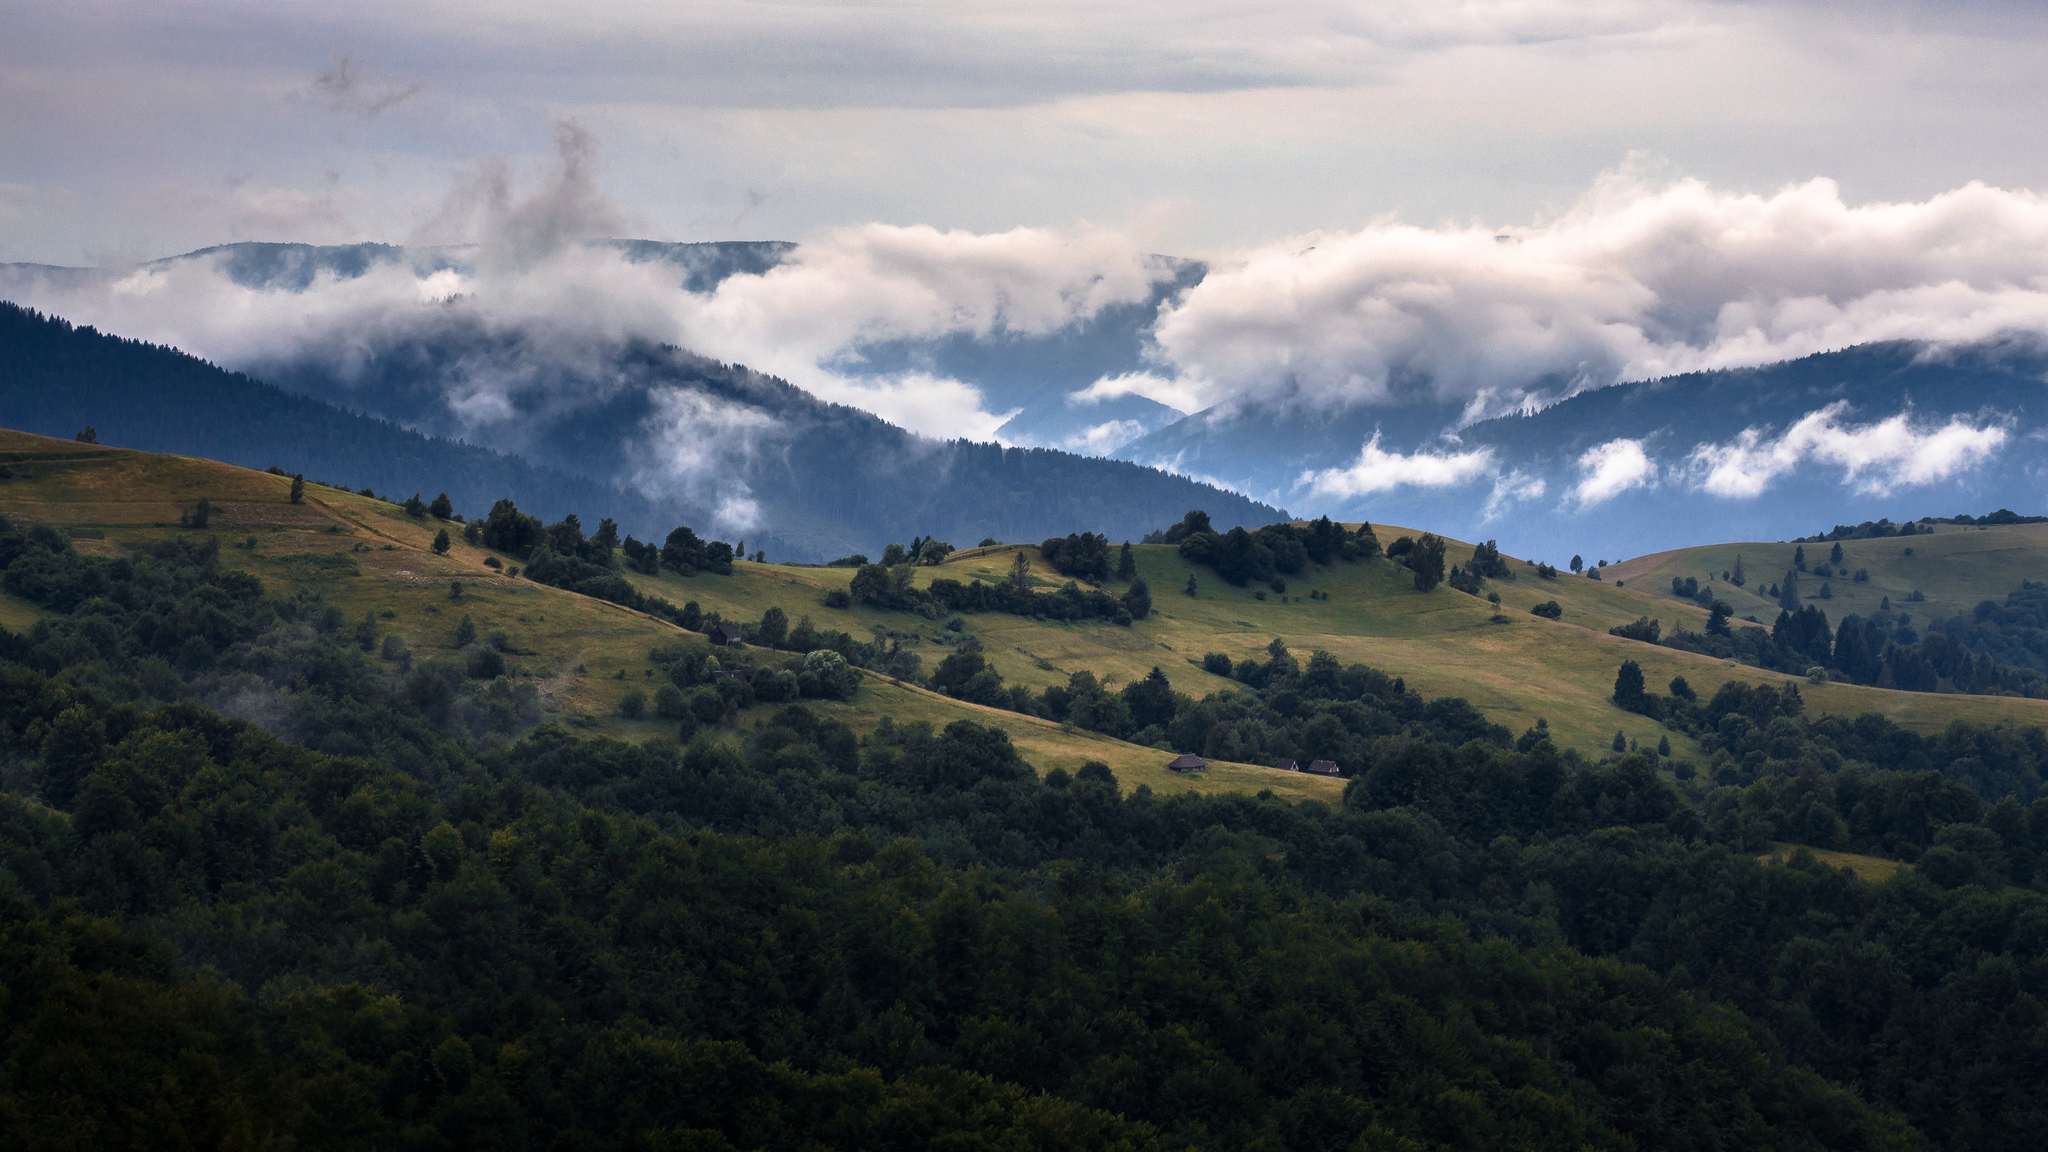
1188, 763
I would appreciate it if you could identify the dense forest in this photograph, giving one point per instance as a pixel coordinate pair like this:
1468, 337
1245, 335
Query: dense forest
399, 914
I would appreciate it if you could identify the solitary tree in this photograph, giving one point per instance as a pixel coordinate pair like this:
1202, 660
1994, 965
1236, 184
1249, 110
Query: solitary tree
1190, 589
1717, 618
1428, 562
774, 628
1020, 572
1620, 741
1788, 592
442, 507
415, 507
1835, 555
1737, 578
1799, 557
1126, 564
1663, 745
441, 543
1578, 563
91, 435
465, 633
1628, 685
299, 488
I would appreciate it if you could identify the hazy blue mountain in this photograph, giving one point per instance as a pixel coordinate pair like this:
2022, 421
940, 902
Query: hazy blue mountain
816, 480
1272, 453
56, 379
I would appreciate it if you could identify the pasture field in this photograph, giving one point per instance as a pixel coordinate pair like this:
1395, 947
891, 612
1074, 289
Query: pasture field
1444, 643
368, 557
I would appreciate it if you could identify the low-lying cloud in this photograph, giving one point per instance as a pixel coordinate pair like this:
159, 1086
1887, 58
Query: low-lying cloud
1874, 458
1634, 282
1378, 470
1610, 469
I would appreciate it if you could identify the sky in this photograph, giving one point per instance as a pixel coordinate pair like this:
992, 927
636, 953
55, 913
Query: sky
132, 131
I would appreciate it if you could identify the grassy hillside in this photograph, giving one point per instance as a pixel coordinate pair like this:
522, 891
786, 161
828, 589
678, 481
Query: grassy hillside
1443, 642
1955, 568
369, 557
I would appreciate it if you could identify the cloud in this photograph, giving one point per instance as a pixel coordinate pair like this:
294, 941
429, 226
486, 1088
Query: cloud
1152, 386
1634, 282
1875, 458
1613, 468
1104, 438
1377, 470
1512, 488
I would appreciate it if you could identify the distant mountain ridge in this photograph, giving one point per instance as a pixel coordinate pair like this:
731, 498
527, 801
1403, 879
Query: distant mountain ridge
1533, 481
824, 480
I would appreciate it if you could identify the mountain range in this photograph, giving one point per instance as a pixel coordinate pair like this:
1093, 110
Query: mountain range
1897, 430
818, 480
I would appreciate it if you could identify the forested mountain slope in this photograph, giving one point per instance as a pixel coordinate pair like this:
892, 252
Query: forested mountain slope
796, 477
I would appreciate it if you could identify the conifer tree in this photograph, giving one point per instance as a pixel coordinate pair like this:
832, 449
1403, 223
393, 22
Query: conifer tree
1664, 746
442, 508
1020, 573
1737, 578
299, 488
442, 543
465, 633
1835, 557
1126, 564
1620, 741
1190, 589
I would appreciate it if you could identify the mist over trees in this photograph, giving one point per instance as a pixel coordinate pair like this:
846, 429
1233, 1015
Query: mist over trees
827, 479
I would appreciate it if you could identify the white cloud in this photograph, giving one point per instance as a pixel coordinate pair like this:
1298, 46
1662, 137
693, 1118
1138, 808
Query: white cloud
1875, 458
1613, 468
1173, 393
1633, 282
1106, 437
1512, 488
1377, 470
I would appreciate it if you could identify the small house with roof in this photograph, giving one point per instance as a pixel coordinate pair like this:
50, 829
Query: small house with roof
726, 636
1287, 766
739, 674
1188, 763
1323, 768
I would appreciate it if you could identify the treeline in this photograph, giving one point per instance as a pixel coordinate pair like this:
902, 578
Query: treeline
1285, 711
1885, 649
1267, 555
1751, 732
892, 587
1881, 528
562, 556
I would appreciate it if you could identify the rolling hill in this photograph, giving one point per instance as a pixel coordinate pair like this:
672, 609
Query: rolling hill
367, 556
